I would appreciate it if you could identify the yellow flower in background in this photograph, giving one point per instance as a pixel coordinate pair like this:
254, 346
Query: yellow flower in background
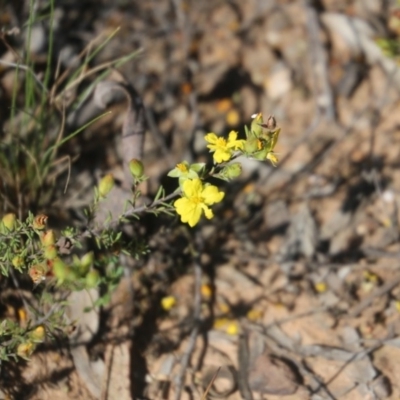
229, 326
223, 149
168, 302
232, 328
320, 287
206, 291
195, 200
254, 315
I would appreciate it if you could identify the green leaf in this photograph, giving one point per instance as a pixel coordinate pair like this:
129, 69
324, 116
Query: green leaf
160, 193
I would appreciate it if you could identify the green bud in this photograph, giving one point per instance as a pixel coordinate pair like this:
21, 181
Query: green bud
39, 222
251, 145
136, 168
231, 171
76, 262
9, 221
50, 252
255, 127
60, 270
105, 185
48, 238
38, 334
85, 263
72, 275
261, 155
92, 278
25, 349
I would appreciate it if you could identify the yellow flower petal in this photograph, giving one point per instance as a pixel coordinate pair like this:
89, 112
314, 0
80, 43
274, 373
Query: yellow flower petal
232, 136
208, 212
211, 138
233, 143
194, 216
192, 187
212, 195
222, 155
273, 158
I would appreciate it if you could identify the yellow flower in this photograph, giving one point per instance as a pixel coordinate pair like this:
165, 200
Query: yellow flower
232, 328
320, 287
168, 302
206, 291
223, 149
196, 199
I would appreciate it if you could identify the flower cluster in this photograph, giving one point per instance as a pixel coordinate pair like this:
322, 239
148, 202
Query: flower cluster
196, 195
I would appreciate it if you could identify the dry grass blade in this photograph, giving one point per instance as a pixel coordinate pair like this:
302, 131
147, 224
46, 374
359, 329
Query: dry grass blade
204, 396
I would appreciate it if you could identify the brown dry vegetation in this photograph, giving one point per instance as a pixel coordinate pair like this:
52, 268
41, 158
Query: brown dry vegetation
295, 292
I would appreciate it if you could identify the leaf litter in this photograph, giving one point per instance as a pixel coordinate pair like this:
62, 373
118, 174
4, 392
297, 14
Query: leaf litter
299, 291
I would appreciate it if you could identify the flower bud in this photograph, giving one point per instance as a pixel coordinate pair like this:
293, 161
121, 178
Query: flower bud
60, 269
251, 145
261, 155
256, 128
136, 168
48, 238
85, 263
92, 278
39, 222
37, 273
50, 252
105, 185
232, 171
271, 122
18, 262
25, 349
38, 334
9, 221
